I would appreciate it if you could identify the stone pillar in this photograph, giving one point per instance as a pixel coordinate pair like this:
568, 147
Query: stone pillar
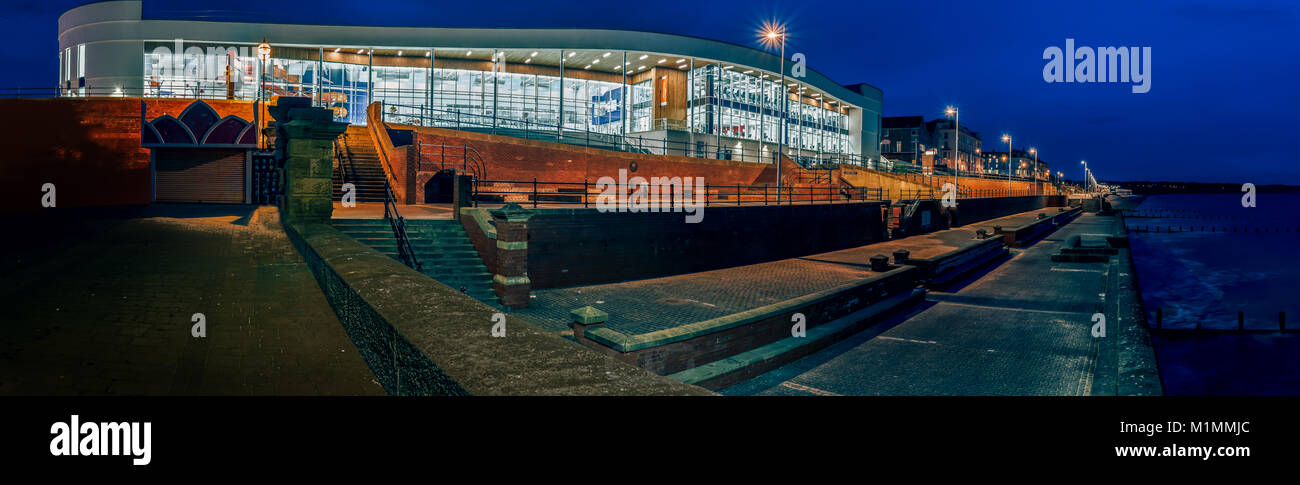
462, 193
511, 279
305, 136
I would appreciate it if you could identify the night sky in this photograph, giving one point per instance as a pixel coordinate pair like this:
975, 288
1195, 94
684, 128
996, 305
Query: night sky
1222, 105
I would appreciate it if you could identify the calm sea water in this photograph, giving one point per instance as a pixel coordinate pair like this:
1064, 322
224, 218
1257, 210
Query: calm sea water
1227, 259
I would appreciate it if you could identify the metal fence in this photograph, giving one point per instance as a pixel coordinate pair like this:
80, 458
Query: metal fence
538, 192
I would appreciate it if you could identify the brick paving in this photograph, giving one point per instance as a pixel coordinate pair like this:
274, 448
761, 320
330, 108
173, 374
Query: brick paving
103, 306
642, 306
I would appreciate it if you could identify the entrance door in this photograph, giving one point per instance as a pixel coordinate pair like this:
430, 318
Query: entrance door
200, 175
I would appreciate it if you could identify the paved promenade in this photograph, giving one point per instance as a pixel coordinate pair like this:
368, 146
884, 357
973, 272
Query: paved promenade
642, 306
1021, 329
101, 304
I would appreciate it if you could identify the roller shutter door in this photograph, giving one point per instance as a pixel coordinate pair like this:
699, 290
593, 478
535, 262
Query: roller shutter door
199, 175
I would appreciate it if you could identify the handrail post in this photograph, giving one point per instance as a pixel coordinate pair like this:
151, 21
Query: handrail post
535, 191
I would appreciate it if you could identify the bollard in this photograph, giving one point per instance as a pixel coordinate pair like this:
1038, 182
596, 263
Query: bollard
879, 263
981, 234
1281, 321
584, 318
900, 256
1241, 321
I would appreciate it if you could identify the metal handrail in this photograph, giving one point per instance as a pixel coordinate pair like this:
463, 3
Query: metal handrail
581, 193
405, 251
538, 130
471, 159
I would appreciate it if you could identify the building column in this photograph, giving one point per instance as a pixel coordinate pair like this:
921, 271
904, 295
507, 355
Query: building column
511, 281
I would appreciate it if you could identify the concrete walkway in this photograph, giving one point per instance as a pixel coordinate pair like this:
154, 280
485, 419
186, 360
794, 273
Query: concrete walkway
642, 306
100, 302
1021, 329
375, 210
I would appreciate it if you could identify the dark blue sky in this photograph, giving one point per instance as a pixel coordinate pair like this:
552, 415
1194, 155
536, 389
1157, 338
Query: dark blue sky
1222, 106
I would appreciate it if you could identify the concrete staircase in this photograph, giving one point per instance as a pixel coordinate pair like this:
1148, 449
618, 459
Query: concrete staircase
441, 246
366, 169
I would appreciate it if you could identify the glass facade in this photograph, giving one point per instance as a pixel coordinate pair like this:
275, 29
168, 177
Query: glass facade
565, 92
748, 106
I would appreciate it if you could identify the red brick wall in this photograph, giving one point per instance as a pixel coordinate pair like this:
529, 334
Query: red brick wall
88, 148
509, 158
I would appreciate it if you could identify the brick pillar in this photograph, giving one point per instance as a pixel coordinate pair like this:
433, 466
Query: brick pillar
511, 279
305, 137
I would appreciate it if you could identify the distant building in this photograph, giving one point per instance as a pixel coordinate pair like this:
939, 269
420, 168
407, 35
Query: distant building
903, 138
1021, 161
906, 138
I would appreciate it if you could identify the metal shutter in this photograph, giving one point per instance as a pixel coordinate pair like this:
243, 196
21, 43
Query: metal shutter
199, 175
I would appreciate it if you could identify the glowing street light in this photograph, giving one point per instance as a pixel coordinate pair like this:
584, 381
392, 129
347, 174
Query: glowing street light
1034, 151
1007, 138
263, 53
956, 147
771, 34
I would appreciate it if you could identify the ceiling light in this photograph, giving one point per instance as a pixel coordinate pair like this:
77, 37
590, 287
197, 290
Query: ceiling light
360, 51
643, 56
606, 55
428, 54
399, 53
642, 67
467, 53
679, 61
588, 66
661, 61
728, 67
749, 71
572, 53
597, 61
336, 50
533, 54
528, 60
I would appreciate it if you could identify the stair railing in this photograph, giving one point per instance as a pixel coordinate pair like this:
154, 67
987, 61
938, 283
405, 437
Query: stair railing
405, 251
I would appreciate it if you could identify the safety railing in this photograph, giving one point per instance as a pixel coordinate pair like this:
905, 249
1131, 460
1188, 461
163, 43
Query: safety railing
405, 251
432, 157
588, 194
658, 144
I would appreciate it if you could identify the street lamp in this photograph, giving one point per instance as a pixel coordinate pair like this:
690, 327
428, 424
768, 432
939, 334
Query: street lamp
1007, 138
1085, 174
263, 53
773, 33
956, 145
1034, 151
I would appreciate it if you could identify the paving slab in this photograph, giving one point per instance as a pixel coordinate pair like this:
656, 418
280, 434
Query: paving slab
643, 306
1021, 329
102, 304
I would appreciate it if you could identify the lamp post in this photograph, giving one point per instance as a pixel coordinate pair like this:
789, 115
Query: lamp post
1085, 174
773, 33
956, 145
263, 53
1010, 158
1034, 151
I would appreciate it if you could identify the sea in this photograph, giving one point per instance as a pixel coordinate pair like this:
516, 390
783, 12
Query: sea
1205, 260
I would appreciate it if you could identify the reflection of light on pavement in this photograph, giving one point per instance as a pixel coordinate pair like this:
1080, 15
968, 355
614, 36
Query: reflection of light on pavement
810, 390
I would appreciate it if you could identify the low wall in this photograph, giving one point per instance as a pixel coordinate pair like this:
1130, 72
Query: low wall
569, 247
89, 148
974, 210
681, 348
421, 337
